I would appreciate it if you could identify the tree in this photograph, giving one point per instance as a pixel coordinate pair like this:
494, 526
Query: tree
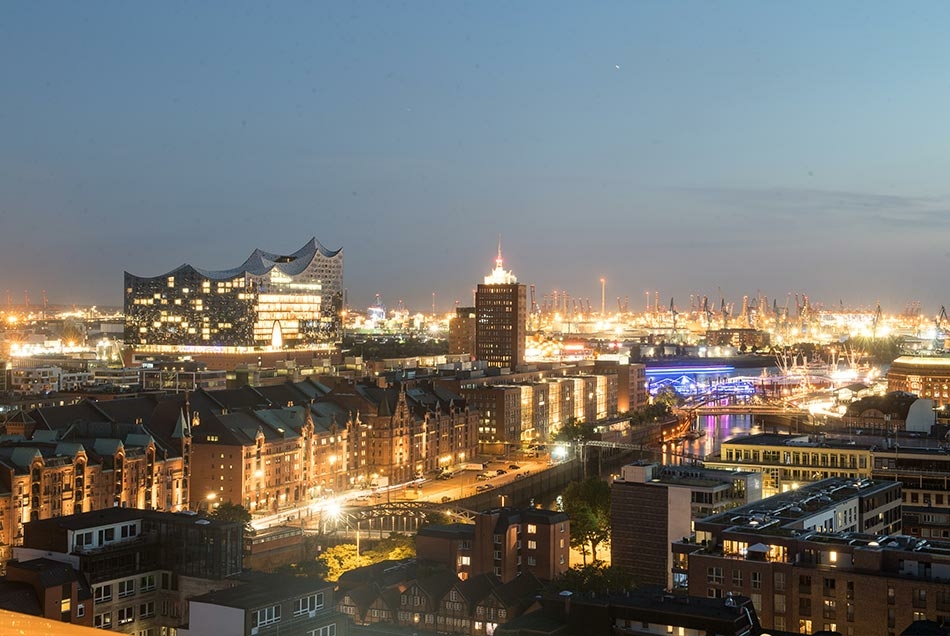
435, 518
395, 547
598, 578
572, 431
668, 398
227, 511
587, 503
339, 559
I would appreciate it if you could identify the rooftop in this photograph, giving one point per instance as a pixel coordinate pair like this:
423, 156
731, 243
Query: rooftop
109, 516
776, 513
257, 589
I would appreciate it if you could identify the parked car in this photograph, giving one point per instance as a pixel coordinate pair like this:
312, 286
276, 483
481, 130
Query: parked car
519, 476
513, 467
501, 471
446, 499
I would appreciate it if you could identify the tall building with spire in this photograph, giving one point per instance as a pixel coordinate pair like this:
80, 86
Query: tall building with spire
500, 318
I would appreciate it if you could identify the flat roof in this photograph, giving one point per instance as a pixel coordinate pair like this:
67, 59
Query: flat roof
774, 514
108, 516
257, 589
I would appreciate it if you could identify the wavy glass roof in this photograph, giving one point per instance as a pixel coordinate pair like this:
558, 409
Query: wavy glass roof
261, 262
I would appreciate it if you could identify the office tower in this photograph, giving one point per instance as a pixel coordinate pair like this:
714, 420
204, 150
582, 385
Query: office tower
500, 318
462, 331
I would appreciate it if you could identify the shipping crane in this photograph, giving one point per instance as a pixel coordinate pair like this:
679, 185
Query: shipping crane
939, 333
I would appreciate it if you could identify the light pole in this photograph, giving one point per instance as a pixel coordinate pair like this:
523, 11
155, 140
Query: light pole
209, 501
603, 296
335, 512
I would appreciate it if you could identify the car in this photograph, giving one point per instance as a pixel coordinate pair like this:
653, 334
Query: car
446, 499
501, 471
513, 467
519, 476
481, 488
445, 476
488, 486
481, 477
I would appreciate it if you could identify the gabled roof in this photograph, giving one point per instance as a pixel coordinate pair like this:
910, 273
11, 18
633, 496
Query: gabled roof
287, 421
232, 399
50, 573
521, 590
477, 587
437, 584
311, 388
284, 394
18, 416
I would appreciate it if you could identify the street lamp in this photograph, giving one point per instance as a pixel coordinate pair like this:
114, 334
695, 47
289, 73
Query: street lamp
335, 512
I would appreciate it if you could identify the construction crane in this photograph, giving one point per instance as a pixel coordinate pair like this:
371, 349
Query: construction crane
939, 333
723, 310
674, 313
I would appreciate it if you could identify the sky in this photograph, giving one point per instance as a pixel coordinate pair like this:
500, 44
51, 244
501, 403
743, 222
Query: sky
681, 147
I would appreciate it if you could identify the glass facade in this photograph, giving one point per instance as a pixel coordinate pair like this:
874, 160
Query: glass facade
270, 301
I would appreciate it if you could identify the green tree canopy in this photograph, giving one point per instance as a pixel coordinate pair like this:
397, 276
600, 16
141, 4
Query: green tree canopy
343, 558
599, 578
339, 559
587, 503
572, 431
227, 511
393, 548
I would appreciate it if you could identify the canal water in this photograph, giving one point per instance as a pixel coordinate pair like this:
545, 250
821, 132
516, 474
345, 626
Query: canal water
717, 429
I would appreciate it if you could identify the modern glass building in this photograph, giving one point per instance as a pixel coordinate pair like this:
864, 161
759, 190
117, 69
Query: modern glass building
271, 301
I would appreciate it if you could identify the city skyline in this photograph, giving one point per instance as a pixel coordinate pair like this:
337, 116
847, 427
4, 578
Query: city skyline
678, 148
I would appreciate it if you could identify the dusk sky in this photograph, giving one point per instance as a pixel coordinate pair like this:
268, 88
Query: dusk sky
670, 146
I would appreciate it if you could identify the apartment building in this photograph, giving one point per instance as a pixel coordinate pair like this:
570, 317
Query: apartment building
788, 461
825, 556
140, 566
652, 505
264, 604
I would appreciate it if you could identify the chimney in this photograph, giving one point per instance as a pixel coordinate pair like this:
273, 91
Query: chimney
566, 596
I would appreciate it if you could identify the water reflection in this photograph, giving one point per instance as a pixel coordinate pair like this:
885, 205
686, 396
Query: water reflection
716, 429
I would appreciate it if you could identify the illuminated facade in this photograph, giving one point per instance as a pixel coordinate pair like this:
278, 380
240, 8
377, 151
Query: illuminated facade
501, 318
531, 409
462, 331
926, 377
271, 301
829, 556
62, 461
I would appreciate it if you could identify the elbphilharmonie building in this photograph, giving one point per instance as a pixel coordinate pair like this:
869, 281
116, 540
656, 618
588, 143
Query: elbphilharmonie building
271, 301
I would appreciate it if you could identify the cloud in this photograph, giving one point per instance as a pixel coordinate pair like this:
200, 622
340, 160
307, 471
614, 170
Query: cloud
797, 208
